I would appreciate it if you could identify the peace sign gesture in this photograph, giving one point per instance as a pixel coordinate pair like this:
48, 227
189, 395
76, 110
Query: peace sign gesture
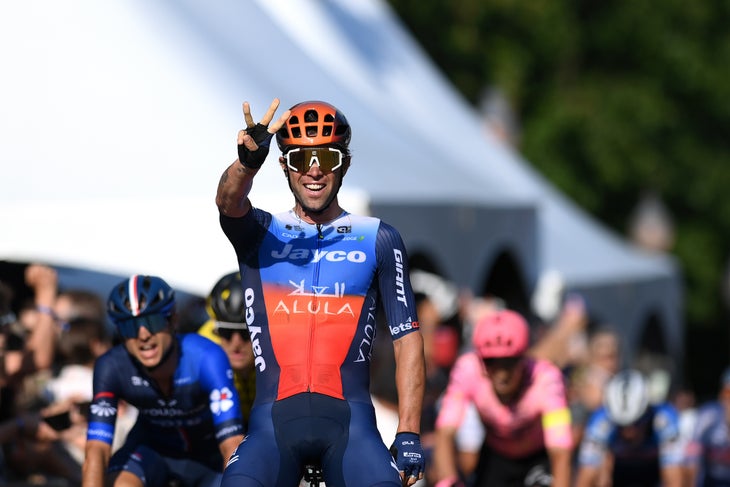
254, 140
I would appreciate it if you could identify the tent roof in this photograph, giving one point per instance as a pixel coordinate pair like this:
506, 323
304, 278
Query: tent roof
121, 117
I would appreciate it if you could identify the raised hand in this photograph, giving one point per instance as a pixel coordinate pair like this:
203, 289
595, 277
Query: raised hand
254, 140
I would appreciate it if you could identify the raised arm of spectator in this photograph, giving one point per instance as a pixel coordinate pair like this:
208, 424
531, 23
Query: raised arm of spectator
41, 343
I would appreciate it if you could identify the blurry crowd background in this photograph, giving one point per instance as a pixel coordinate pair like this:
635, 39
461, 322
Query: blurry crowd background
52, 335
617, 104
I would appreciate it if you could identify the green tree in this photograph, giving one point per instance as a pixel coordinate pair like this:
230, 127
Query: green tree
614, 99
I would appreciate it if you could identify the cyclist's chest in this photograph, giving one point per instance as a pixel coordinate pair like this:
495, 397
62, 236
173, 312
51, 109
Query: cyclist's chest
184, 400
526, 413
331, 262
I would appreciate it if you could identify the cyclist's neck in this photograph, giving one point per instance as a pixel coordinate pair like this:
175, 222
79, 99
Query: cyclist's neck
333, 212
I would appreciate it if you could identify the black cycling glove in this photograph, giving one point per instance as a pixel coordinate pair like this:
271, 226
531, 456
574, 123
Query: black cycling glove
255, 159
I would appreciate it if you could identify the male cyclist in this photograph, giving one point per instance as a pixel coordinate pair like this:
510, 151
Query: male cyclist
522, 404
629, 442
315, 278
708, 451
189, 420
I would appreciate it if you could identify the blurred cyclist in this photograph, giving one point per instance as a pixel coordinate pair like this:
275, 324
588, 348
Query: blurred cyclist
630, 442
189, 419
708, 452
315, 279
228, 328
521, 402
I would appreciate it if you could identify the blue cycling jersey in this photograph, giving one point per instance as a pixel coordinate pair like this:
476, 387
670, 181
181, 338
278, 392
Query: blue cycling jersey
709, 446
201, 411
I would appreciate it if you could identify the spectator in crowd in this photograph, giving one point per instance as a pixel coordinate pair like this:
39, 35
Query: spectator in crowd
522, 404
189, 419
31, 347
73, 304
563, 342
61, 456
314, 280
630, 442
603, 362
40, 427
708, 450
27, 351
587, 378
83, 341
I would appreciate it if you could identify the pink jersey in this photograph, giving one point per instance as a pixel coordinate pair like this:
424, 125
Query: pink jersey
539, 419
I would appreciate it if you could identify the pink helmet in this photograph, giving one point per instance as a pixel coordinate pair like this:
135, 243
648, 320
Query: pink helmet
503, 333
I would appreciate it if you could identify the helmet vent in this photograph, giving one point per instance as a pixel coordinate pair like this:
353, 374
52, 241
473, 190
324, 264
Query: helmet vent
311, 116
311, 131
341, 129
160, 296
296, 132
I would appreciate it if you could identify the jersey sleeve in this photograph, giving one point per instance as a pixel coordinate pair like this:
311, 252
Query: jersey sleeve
247, 232
104, 404
556, 422
216, 377
666, 426
394, 283
596, 438
457, 396
709, 416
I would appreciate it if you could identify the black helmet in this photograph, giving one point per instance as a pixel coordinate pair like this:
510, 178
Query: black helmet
225, 301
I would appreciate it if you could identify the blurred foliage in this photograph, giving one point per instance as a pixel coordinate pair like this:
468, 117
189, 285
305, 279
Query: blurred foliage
614, 99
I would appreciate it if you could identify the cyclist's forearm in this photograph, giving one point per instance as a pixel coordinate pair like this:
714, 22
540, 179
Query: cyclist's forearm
410, 376
444, 454
95, 462
672, 476
560, 467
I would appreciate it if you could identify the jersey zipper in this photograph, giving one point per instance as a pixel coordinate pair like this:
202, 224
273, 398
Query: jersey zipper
315, 306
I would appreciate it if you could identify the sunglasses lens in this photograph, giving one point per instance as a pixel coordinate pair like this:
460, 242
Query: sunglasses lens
502, 362
300, 160
227, 333
153, 323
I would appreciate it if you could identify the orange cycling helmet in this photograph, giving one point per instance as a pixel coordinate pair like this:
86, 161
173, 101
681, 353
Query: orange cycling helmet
314, 123
503, 333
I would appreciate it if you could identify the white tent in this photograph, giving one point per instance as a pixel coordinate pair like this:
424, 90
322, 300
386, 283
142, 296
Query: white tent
119, 117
